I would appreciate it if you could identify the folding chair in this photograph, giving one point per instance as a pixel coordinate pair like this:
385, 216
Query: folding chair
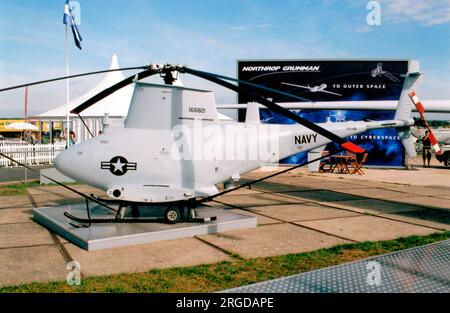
357, 164
351, 156
324, 162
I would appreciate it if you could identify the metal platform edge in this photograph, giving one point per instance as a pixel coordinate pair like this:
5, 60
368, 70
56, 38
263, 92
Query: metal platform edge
141, 238
244, 288
58, 228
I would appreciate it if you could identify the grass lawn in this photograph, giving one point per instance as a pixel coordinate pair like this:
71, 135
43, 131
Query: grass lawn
21, 188
17, 189
224, 275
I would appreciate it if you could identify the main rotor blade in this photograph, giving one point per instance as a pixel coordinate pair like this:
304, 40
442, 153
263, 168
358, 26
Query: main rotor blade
108, 91
262, 87
347, 145
73, 76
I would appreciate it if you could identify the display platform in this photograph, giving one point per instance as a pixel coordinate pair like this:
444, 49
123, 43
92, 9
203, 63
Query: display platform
420, 270
111, 235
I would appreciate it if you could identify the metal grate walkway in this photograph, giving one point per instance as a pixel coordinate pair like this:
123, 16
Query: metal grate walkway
423, 269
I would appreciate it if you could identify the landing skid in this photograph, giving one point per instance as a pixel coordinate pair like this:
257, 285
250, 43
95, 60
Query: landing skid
113, 220
132, 220
179, 203
173, 213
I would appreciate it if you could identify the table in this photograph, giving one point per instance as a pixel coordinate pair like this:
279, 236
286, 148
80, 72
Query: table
340, 163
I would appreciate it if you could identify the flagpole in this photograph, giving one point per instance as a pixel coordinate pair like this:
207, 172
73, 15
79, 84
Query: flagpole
67, 86
26, 104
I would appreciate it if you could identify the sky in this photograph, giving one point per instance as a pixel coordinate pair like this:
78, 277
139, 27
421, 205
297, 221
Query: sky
211, 36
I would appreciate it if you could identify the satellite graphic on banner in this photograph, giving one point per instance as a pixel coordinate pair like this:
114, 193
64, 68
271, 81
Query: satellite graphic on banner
333, 80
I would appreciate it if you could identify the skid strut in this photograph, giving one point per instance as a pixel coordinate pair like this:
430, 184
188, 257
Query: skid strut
120, 216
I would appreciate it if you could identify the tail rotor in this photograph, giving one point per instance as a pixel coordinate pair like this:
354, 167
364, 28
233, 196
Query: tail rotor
421, 109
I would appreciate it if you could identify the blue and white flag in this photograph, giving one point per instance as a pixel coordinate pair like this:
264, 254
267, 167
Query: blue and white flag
69, 19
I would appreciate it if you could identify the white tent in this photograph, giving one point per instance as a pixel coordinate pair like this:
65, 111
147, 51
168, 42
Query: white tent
116, 105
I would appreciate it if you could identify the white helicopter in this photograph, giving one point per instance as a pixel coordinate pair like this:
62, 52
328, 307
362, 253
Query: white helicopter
159, 156
318, 88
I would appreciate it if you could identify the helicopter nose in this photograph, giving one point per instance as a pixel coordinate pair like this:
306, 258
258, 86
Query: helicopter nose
64, 162
71, 162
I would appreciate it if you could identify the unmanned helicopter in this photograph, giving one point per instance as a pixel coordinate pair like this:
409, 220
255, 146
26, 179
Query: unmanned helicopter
172, 151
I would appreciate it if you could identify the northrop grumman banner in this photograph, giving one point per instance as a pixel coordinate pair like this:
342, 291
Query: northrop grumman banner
334, 81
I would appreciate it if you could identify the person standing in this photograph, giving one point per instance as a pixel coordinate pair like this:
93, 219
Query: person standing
71, 138
63, 135
426, 148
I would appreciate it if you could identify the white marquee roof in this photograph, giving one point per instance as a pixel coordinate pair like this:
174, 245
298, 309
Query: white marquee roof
116, 105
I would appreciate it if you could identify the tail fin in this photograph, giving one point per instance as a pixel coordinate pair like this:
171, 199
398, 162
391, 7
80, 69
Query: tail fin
405, 106
403, 112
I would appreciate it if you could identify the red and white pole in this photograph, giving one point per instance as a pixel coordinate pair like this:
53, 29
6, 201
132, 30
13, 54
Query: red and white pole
421, 109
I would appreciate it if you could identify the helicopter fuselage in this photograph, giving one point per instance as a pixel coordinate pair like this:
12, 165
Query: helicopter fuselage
146, 165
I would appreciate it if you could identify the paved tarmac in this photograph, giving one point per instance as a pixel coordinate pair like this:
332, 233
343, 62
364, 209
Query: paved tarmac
19, 173
296, 212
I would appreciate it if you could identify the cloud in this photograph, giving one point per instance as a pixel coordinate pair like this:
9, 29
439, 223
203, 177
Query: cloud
251, 27
431, 85
364, 29
425, 12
